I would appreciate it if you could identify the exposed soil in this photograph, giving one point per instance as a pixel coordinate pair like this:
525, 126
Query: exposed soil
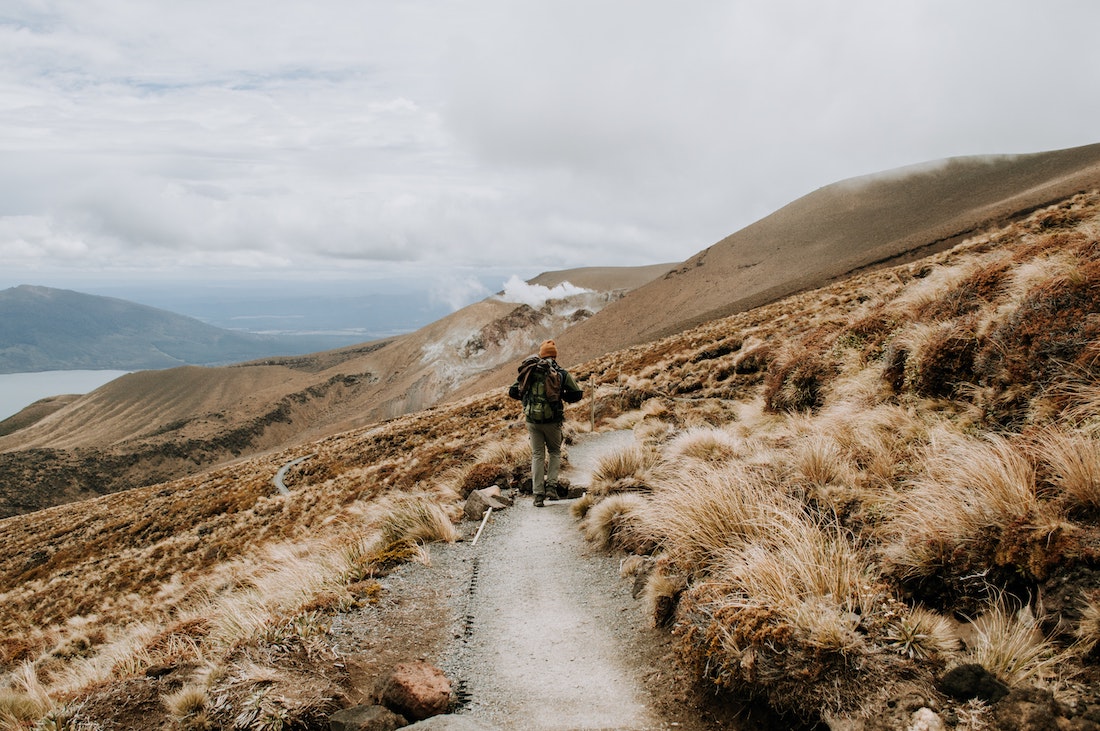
535, 628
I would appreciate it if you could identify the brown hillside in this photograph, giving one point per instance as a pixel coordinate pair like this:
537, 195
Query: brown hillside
832, 232
152, 426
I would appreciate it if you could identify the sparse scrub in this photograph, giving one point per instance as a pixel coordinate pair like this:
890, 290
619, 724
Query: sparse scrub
866, 449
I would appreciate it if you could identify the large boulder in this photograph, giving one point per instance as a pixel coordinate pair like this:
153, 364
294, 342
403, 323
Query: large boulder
417, 690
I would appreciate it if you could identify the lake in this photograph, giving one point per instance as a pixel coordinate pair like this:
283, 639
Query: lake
19, 390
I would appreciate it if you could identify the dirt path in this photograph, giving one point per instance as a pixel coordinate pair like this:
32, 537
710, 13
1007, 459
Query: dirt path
537, 628
552, 638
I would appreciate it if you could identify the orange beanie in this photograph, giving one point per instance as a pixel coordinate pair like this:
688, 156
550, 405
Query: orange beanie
548, 350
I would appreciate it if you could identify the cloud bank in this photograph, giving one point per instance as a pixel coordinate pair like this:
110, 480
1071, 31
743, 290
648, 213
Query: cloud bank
364, 136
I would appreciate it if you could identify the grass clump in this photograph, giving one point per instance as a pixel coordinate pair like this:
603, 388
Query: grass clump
623, 469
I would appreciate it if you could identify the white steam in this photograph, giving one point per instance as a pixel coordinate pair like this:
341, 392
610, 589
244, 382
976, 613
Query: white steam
536, 295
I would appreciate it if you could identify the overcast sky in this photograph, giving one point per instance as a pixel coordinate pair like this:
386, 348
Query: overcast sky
360, 138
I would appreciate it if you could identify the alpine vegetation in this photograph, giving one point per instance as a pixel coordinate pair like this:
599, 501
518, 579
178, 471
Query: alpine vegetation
905, 489
872, 505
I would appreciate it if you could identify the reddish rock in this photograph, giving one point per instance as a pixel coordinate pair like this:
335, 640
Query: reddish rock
417, 691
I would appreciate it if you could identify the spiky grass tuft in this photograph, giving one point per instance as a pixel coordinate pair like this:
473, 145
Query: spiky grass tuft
1088, 627
1011, 646
697, 513
787, 616
622, 469
819, 461
955, 514
1072, 462
706, 445
416, 520
612, 522
188, 707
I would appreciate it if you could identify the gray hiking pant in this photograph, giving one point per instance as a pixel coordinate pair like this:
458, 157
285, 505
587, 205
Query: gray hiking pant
545, 440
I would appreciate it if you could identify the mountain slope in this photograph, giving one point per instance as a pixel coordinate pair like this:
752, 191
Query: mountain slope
55, 329
111, 440
842, 228
152, 426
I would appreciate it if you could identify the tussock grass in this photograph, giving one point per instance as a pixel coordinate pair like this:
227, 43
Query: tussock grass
660, 595
819, 461
707, 445
187, 706
27, 701
625, 468
1072, 465
1011, 646
788, 616
1088, 628
612, 522
970, 492
697, 513
416, 520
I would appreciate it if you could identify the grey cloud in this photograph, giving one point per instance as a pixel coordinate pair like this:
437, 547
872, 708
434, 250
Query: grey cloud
482, 132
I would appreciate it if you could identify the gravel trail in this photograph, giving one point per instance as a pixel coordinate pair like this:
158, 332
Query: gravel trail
549, 624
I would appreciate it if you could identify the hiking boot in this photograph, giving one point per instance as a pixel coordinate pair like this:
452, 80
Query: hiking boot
539, 501
552, 493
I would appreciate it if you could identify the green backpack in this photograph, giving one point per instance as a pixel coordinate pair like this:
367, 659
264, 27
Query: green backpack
540, 389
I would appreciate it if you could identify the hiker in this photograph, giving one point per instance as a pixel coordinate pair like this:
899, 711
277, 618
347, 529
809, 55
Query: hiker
542, 386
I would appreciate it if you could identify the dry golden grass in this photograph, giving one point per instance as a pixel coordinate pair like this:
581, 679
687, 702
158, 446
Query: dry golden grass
970, 492
695, 514
1071, 463
704, 444
623, 469
1011, 646
613, 521
1088, 628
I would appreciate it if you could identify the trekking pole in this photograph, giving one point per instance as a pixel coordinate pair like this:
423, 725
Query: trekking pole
592, 413
482, 526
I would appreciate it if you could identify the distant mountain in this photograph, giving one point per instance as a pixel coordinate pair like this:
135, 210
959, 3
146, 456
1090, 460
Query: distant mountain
44, 329
155, 425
